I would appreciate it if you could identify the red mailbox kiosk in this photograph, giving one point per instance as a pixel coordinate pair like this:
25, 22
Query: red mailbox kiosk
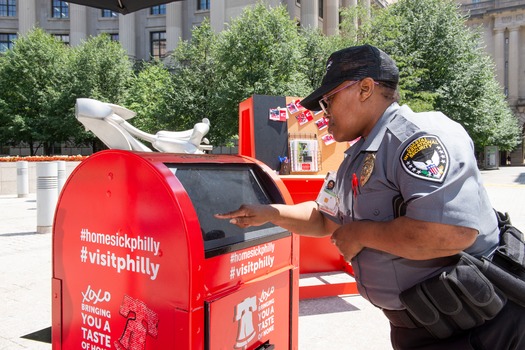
139, 261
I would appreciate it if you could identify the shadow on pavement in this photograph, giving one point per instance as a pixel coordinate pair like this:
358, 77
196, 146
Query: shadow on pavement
520, 179
18, 234
43, 335
321, 306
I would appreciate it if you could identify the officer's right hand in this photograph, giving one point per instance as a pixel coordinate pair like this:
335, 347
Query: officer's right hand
249, 215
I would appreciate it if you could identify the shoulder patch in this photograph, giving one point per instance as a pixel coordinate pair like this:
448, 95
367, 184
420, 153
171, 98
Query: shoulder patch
426, 158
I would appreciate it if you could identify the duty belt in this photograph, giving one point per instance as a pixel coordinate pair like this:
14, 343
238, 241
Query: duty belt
474, 291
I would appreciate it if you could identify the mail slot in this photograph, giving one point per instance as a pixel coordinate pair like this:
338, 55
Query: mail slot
140, 262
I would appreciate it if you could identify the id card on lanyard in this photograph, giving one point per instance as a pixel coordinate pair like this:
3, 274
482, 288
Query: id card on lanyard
327, 198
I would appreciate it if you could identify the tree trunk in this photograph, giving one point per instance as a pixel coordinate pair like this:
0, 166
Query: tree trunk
48, 148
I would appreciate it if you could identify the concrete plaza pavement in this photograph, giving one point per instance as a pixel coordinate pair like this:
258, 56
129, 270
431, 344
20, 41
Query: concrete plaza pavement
340, 322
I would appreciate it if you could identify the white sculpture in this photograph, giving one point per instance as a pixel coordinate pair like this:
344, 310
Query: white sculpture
108, 122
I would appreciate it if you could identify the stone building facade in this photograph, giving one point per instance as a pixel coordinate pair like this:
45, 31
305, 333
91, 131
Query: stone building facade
155, 31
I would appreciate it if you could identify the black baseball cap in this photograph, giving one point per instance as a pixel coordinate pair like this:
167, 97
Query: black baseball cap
353, 63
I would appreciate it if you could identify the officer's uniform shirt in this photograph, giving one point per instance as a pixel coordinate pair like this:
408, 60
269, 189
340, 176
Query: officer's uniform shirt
421, 165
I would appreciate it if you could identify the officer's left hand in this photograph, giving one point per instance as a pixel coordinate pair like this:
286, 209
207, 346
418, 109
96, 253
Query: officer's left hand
345, 239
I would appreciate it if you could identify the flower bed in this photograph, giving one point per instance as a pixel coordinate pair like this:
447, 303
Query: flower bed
42, 158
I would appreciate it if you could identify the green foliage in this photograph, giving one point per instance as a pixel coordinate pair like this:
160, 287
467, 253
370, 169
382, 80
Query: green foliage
32, 74
149, 96
261, 53
45, 77
101, 70
262, 49
442, 67
213, 73
356, 26
196, 83
317, 49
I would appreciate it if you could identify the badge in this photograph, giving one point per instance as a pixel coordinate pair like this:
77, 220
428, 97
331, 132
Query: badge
426, 158
327, 198
368, 167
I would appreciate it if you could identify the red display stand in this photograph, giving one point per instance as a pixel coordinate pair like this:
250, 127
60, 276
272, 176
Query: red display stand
139, 261
317, 255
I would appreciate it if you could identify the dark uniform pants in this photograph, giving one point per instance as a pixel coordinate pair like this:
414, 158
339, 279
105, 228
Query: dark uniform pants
506, 331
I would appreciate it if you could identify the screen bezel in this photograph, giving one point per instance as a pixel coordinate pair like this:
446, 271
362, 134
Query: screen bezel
250, 236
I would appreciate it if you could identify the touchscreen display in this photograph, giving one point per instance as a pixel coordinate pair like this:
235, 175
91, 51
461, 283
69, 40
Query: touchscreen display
219, 188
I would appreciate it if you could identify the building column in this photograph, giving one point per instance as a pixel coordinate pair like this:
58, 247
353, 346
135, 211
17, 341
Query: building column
309, 14
26, 16
331, 18
126, 29
217, 15
290, 5
499, 55
173, 25
514, 65
77, 24
349, 4
366, 5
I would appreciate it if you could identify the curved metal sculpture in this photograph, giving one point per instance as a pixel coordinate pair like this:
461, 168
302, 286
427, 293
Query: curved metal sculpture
108, 122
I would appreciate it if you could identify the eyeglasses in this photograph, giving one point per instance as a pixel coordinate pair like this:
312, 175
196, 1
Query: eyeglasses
325, 101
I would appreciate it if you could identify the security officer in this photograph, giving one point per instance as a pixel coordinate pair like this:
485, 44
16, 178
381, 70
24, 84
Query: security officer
409, 200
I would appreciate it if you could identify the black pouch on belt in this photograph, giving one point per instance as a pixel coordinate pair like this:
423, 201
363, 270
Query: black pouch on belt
453, 302
509, 283
510, 254
506, 267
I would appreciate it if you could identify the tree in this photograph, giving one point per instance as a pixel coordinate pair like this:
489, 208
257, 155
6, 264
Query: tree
102, 70
315, 54
149, 96
99, 69
45, 77
196, 83
443, 67
32, 74
261, 53
213, 73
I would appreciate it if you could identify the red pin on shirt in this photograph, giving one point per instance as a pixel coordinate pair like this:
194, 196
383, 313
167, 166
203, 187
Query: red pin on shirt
355, 185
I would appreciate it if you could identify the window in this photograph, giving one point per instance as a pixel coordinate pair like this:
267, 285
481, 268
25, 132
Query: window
158, 10
158, 44
60, 9
108, 14
203, 5
6, 41
7, 8
113, 36
321, 5
63, 38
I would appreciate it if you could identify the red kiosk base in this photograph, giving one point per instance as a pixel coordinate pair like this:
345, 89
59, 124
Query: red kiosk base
140, 262
267, 140
324, 272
